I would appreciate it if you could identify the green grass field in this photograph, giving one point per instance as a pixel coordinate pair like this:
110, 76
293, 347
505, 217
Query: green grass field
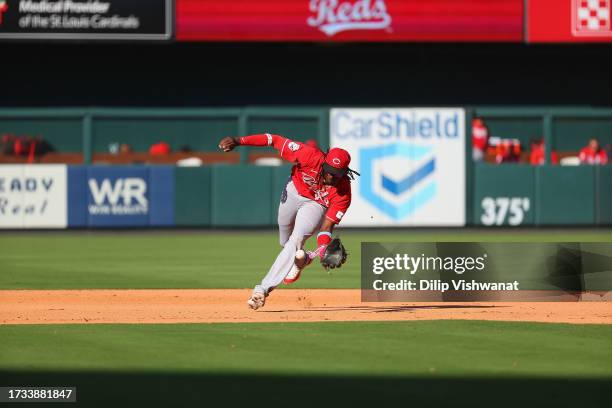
427, 363
193, 259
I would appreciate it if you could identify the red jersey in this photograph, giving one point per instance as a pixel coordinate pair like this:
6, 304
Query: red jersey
306, 173
537, 155
159, 148
590, 156
480, 136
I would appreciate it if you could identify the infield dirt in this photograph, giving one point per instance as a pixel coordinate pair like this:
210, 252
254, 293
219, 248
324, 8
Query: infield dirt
288, 305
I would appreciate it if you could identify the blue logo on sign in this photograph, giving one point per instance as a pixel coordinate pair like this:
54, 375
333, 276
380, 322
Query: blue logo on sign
413, 185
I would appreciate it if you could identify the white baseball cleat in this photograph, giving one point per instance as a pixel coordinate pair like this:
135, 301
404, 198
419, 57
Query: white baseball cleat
302, 260
258, 298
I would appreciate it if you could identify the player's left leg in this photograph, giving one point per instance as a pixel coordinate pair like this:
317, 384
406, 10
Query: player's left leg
290, 203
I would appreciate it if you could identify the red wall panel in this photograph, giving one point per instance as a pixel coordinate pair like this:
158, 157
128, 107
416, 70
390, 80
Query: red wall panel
349, 20
569, 21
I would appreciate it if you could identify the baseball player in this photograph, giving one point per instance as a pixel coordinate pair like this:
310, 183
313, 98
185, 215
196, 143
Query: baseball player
315, 198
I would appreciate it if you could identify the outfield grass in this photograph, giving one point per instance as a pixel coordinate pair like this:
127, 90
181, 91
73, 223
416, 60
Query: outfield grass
206, 259
428, 363
422, 348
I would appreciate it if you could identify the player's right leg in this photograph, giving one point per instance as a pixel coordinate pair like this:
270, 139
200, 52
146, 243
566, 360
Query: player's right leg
287, 211
308, 221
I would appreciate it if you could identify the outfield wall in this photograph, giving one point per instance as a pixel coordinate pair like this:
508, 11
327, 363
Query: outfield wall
60, 196
450, 191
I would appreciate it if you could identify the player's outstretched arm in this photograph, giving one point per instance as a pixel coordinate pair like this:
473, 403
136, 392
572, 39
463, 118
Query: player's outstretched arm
289, 150
227, 144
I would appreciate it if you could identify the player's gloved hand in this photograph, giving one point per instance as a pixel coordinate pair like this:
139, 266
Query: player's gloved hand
227, 144
334, 255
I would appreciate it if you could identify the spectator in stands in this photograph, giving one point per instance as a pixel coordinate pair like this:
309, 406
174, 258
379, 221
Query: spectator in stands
593, 153
25, 146
537, 154
7, 143
508, 150
480, 139
160, 148
125, 148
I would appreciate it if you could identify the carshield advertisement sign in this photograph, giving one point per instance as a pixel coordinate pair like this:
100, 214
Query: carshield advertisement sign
412, 165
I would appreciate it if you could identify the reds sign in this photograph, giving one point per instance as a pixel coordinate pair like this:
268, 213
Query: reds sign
349, 20
333, 17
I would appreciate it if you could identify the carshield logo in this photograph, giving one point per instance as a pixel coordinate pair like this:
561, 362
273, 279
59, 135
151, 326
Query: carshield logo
398, 179
126, 196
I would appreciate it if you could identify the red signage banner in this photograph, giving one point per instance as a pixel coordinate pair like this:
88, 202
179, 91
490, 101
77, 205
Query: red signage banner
349, 20
569, 21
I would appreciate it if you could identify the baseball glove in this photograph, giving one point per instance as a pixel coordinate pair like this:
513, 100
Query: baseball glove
334, 255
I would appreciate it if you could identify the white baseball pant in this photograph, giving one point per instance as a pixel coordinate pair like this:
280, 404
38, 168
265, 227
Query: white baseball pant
298, 218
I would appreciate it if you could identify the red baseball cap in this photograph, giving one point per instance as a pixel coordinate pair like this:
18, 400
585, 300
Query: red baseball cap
337, 161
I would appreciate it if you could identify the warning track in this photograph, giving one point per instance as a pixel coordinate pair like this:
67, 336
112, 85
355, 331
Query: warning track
285, 305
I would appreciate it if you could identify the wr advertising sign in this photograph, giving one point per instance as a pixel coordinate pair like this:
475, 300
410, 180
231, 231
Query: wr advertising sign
33, 196
412, 165
569, 21
349, 20
86, 19
118, 196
